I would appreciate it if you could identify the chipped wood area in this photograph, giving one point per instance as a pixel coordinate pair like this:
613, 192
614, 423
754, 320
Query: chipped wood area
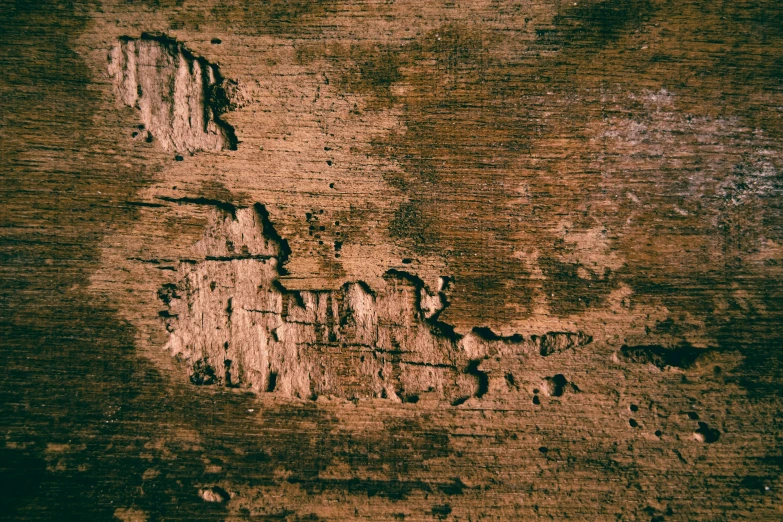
391, 260
233, 324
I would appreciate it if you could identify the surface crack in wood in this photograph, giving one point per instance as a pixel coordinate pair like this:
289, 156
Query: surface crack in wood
236, 325
180, 95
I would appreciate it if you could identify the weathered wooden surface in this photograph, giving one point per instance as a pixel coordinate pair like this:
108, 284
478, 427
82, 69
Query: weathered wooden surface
516, 260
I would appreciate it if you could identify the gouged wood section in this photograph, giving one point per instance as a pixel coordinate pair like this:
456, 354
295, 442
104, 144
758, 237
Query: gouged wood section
566, 215
235, 325
180, 96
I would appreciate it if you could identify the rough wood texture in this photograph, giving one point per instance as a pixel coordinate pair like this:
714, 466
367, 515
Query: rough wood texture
396, 260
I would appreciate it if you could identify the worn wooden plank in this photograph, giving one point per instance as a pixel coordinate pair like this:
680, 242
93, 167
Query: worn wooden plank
468, 261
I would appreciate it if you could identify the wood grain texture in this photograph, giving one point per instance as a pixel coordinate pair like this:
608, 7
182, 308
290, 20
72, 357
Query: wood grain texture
605, 167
